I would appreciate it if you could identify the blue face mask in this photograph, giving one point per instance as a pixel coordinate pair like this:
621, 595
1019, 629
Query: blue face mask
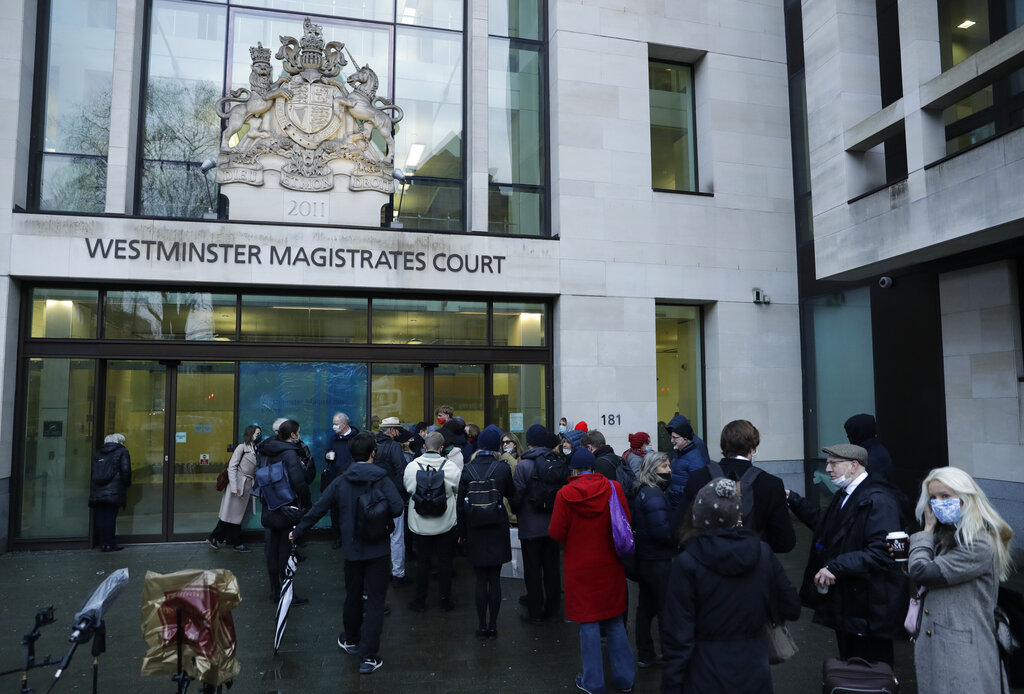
947, 511
561, 428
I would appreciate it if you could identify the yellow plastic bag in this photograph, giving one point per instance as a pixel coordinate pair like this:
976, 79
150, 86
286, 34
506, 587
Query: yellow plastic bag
205, 598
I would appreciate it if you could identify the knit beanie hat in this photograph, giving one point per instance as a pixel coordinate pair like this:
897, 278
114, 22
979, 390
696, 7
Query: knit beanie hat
489, 439
537, 435
638, 439
582, 459
581, 426
717, 505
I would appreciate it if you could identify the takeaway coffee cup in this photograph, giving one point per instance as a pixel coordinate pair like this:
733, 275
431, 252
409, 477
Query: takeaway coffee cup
899, 545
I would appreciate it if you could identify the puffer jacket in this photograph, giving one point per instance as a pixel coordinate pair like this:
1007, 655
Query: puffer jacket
114, 490
299, 475
652, 523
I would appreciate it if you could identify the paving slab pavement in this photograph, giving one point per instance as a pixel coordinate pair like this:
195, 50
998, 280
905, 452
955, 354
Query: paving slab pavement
429, 653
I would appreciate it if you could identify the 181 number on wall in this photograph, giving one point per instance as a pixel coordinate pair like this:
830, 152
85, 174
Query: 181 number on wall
611, 419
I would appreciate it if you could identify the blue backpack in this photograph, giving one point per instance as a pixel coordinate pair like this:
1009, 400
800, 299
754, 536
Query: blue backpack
275, 489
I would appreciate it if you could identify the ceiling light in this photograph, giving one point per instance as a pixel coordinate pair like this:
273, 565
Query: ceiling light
415, 154
966, 24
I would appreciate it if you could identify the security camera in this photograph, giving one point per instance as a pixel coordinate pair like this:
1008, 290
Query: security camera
885, 282
208, 165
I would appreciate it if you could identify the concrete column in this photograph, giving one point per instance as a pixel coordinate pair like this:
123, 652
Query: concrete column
476, 128
18, 63
124, 106
921, 60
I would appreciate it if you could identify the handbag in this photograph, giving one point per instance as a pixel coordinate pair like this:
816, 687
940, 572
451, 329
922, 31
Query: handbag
912, 622
622, 533
781, 646
222, 480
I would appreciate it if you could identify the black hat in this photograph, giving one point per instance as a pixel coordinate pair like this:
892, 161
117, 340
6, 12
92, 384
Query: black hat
537, 435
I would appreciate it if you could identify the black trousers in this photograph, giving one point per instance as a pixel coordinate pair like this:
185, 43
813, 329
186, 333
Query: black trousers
444, 546
105, 518
653, 577
543, 576
364, 619
866, 647
277, 550
488, 595
230, 533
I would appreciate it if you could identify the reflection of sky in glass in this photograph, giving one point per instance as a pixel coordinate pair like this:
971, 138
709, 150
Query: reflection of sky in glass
428, 85
443, 14
187, 41
381, 10
369, 46
513, 102
78, 76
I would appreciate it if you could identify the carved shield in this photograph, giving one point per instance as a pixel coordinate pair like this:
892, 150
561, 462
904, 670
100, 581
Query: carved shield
308, 117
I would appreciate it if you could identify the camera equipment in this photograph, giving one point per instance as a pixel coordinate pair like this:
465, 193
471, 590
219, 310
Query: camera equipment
44, 616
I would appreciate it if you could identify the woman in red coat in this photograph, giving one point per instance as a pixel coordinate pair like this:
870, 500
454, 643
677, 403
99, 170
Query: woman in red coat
595, 580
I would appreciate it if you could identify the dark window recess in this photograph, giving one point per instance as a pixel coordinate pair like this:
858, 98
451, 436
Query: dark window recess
890, 67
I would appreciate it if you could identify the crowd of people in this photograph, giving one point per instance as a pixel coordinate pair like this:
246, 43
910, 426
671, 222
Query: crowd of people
706, 536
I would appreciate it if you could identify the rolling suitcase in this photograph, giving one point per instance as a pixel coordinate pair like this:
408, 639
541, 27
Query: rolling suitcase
857, 676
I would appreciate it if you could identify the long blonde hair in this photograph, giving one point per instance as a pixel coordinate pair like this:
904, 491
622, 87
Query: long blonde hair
978, 516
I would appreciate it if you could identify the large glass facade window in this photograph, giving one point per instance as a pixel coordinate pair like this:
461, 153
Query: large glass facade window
414, 322
673, 139
304, 319
56, 455
518, 392
144, 315
515, 106
520, 324
71, 162
64, 313
679, 361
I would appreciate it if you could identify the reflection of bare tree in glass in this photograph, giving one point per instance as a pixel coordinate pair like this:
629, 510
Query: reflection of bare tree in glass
182, 130
79, 183
169, 315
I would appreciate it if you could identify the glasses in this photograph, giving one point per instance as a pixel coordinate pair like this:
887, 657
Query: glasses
506, 441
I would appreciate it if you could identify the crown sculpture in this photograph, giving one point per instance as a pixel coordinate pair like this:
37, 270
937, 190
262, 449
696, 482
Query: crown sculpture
307, 126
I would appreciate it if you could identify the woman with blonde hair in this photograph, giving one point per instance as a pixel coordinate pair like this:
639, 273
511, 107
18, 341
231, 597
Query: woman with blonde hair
960, 557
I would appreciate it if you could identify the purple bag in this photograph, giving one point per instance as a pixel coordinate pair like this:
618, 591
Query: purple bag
912, 623
622, 534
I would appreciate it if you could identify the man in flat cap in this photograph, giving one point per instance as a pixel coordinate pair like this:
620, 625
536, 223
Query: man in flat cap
851, 582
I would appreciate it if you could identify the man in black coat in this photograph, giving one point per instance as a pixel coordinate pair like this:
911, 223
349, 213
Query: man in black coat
771, 520
110, 478
366, 563
337, 459
862, 430
851, 582
605, 459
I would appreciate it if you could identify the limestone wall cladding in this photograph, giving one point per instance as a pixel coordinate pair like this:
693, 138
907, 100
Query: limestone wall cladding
624, 247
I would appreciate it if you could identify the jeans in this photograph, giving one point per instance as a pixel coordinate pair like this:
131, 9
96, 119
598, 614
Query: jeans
653, 583
620, 656
444, 545
105, 517
398, 548
364, 619
542, 575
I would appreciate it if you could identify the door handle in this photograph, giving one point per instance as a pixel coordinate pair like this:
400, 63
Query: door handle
166, 458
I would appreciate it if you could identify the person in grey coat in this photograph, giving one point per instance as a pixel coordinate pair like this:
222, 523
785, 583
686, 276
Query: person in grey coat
235, 502
960, 557
108, 484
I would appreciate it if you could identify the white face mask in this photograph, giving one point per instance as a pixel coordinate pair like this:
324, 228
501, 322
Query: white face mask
567, 450
509, 448
337, 427
648, 448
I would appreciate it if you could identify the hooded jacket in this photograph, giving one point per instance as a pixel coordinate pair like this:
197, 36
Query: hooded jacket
342, 494
715, 611
113, 491
299, 475
861, 430
679, 421
595, 580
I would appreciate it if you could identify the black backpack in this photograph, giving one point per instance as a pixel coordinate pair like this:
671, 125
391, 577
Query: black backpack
430, 499
550, 473
104, 468
746, 491
373, 516
483, 500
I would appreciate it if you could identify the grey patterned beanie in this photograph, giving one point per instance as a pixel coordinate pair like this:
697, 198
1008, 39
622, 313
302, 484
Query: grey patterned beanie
717, 505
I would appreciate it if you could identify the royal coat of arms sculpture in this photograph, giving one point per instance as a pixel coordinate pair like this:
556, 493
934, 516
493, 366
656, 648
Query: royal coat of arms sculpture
308, 126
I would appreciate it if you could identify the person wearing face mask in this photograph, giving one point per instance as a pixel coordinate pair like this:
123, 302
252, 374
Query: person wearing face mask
960, 557
656, 547
511, 452
337, 459
639, 446
768, 516
235, 502
605, 460
686, 455
851, 582
563, 425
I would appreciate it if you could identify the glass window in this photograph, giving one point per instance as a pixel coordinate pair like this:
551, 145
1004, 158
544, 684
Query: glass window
64, 313
519, 325
424, 203
55, 466
519, 396
414, 322
680, 368
136, 406
442, 14
186, 74
843, 361
673, 143
515, 138
518, 19
462, 387
76, 112
397, 391
428, 87
303, 319
150, 315
380, 10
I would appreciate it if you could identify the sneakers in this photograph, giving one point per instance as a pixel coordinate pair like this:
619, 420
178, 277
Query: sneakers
579, 684
350, 648
242, 548
369, 665
213, 543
